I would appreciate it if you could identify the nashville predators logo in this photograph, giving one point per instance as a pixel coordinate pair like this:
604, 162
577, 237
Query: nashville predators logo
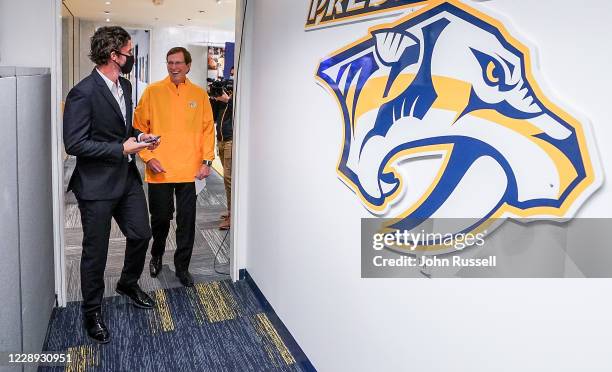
443, 117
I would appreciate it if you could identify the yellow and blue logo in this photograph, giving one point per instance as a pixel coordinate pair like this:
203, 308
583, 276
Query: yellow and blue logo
443, 116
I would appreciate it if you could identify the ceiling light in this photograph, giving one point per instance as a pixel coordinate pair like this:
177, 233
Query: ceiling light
107, 19
107, 3
106, 12
218, 2
201, 11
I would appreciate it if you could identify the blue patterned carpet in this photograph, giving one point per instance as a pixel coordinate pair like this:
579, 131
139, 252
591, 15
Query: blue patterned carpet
215, 326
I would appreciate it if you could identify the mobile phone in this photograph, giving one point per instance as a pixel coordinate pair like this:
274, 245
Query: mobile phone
151, 140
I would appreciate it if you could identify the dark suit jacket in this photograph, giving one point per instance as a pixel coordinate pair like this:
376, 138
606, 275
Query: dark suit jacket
94, 131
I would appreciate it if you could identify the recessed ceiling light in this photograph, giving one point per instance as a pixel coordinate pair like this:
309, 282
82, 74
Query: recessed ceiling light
108, 3
188, 19
106, 12
157, 19
218, 2
107, 19
201, 11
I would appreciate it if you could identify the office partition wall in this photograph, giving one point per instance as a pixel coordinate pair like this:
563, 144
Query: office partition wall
26, 246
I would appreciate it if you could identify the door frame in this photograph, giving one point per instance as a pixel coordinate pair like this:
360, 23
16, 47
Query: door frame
57, 161
238, 241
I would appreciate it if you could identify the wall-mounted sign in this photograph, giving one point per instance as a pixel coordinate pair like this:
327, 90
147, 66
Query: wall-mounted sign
444, 115
325, 12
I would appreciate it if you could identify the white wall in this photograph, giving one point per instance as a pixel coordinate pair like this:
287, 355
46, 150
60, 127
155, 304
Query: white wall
86, 31
140, 38
302, 225
26, 33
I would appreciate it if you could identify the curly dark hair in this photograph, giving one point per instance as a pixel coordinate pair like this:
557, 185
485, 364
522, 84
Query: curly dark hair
185, 52
105, 41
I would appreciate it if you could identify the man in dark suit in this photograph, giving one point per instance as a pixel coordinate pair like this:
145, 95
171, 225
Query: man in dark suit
106, 182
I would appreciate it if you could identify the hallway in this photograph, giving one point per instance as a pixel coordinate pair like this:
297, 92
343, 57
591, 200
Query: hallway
214, 326
211, 204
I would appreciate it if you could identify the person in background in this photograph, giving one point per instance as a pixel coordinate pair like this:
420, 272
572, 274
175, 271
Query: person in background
223, 108
98, 131
179, 112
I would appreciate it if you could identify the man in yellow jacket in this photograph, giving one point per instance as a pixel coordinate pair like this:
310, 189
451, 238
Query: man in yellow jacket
180, 113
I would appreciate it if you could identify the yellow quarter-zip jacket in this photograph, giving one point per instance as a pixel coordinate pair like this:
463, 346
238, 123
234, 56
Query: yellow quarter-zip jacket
182, 116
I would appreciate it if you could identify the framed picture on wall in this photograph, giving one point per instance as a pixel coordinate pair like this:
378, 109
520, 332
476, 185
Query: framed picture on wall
216, 61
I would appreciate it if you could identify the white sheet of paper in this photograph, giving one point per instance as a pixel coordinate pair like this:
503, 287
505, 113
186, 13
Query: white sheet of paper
200, 185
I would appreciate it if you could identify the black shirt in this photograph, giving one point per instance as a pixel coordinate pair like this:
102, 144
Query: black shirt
223, 114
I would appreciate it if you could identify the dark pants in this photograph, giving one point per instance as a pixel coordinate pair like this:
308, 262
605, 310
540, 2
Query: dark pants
130, 212
161, 204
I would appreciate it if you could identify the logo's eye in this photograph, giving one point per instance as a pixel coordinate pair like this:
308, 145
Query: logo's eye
493, 73
492, 70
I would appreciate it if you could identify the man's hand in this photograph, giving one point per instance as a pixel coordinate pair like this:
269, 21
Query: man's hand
223, 98
155, 166
131, 146
148, 136
203, 172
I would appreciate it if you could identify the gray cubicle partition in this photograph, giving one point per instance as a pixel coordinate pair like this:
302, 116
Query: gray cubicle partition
10, 316
27, 291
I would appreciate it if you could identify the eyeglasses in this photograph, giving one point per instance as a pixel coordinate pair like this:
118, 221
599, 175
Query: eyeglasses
130, 53
172, 63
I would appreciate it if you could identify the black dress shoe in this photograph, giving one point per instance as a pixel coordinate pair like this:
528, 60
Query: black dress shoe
155, 266
185, 278
137, 295
96, 329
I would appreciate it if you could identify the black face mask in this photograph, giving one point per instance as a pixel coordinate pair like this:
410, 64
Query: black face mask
128, 65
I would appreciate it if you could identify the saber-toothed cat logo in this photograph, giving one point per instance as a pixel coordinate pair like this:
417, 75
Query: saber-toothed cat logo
444, 116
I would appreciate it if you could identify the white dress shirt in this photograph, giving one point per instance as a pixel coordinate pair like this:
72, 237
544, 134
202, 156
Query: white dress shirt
117, 92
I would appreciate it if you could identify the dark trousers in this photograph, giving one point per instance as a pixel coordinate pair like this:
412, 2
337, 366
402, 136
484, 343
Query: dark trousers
161, 205
130, 212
